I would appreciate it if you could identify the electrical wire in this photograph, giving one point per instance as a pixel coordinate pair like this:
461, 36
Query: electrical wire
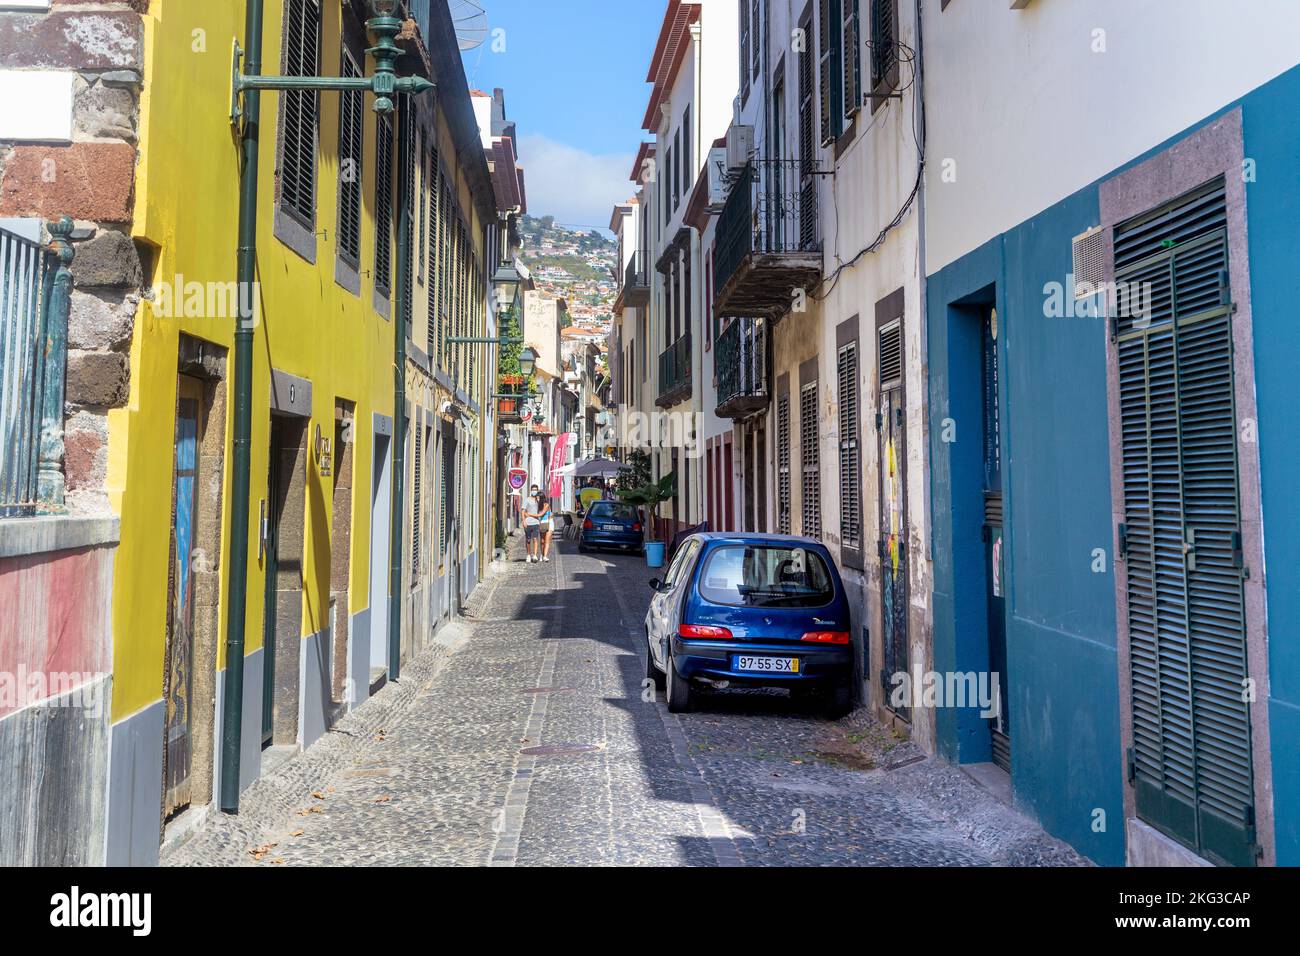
821, 291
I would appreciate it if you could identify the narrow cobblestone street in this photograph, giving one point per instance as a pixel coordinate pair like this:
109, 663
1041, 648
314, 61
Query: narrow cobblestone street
533, 745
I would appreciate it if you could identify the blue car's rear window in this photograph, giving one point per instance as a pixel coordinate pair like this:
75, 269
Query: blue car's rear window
612, 511
766, 576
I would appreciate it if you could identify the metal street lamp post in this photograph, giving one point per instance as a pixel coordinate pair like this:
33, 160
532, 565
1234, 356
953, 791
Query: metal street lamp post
245, 114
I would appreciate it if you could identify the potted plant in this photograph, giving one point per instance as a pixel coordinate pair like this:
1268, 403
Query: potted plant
650, 496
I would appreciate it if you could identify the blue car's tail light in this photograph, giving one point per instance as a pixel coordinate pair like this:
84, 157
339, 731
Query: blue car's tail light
826, 637
704, 632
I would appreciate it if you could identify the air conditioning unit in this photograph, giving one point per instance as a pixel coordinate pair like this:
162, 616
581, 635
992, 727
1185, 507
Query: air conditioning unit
717, 171
740, 146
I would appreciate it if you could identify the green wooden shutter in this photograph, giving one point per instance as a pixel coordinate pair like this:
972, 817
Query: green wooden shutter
852, 59
298, 111
351, 119
384, 206
1191, 764
832, 80
884, 44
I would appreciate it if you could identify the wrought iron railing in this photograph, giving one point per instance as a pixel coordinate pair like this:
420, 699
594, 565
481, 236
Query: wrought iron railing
636, 277
35, 290
675, 368
740, 357
771, 209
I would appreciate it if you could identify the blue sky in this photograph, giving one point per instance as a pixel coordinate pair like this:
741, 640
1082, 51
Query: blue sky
574, 73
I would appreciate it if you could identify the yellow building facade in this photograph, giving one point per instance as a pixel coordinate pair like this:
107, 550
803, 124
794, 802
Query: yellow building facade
323, 449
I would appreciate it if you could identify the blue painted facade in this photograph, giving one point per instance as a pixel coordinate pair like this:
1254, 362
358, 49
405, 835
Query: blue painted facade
1062, 668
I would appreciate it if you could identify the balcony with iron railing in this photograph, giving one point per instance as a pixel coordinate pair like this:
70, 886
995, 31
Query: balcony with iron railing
636, 280
675, 372
768, 239
740, 362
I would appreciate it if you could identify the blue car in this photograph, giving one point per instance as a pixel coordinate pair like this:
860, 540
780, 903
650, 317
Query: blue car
751, 609
611, 524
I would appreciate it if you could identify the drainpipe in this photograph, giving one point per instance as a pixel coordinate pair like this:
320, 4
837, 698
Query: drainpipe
404, 290
233, 697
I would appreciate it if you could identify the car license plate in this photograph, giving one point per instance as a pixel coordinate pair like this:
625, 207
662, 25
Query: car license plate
768, 665
611, 527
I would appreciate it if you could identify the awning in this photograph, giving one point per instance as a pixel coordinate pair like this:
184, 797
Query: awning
599, 468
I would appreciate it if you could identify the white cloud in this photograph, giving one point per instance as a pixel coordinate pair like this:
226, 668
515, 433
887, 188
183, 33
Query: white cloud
576, 187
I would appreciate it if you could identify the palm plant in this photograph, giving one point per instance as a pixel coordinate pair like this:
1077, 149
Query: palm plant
651, 496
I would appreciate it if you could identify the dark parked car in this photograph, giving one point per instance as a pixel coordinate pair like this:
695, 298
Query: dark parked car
751, 609
611, 524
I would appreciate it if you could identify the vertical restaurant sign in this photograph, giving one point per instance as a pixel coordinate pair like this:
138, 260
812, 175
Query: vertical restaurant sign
559, 451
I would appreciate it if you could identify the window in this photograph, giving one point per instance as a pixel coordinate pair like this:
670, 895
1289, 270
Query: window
688, 157
422, 159
351, 120
810, 459
850, 425
434, 280
677, 169
766, 576
755, 39
852, 58
884, 46
417, 501
832, 79
384, 207
298, 111
783, 463
407, 278
745, 42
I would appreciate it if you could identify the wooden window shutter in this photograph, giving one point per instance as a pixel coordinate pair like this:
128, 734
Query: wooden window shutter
852, 45
384, 206
299, 111
351, 120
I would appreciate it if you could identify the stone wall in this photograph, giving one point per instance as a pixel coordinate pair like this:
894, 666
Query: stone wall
85, 170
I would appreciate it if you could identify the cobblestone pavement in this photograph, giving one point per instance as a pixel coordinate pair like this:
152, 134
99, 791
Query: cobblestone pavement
449, 771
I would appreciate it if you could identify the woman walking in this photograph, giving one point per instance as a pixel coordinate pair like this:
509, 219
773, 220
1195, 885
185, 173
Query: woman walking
547, 518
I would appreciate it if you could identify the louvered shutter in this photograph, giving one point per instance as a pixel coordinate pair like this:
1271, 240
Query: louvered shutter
1182, 521
890, 356
826, 65
434, 280
417, 501
884, 44
384, 206
783, 463
351, 119
852, 59
744, 47
810, 459
756, 38
407, 278
807, 145
298, 111
850, 462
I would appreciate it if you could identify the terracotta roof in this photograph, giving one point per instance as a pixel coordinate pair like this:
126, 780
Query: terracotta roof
674, 38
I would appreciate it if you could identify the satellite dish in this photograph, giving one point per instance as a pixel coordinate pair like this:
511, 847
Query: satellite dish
470, 21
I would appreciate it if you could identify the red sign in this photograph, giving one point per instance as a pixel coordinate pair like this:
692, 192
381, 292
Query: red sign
518, 478
558, 454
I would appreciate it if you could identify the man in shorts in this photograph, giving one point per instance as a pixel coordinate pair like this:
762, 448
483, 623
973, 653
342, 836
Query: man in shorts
532, 526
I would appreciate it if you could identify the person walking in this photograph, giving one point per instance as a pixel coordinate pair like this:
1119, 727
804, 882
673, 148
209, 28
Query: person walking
532, 526
547, 518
